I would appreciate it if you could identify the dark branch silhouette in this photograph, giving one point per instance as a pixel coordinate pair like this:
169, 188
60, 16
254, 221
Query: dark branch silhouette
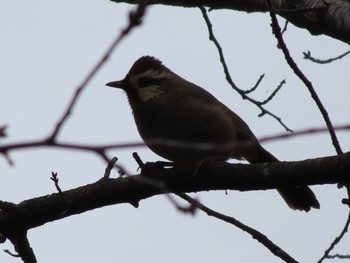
329, 18
243, 93
21, 244
307, 55
211, 175
339, 256
17, 219
277, 32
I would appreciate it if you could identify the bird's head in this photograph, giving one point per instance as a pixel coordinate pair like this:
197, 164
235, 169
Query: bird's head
145, 79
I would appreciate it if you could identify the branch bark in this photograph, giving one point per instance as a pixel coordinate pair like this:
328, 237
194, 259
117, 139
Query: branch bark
319, 17
211, 175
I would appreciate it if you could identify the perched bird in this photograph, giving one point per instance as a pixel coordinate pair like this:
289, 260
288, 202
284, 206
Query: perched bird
184, 123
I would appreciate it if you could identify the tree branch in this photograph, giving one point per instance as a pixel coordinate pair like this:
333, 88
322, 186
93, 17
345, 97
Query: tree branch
22, 246
243, 93
277, 32
307, 55
330, 18
211, 175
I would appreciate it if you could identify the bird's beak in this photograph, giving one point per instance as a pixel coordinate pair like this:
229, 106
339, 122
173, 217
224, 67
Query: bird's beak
116, 84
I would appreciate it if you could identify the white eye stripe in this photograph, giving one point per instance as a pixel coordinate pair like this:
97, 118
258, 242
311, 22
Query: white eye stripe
152, 74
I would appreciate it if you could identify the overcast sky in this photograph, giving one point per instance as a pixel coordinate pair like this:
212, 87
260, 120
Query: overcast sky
46, 50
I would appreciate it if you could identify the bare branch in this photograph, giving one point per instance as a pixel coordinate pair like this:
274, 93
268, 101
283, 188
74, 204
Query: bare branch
110, 166
277, 32
54, 178
22, 247
339, 256
273, 93
330, 18
213, 175
255, 86
228, 75
307, 55
264, 240
11, 253
284, 30
301, 9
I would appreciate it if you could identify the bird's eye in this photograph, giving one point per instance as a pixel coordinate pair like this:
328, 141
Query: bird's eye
146, 81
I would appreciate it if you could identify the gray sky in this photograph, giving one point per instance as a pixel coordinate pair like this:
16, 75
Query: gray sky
48, 47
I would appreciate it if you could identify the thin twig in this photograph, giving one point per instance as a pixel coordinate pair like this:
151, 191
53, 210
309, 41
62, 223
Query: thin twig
255, 86
284, 30
276, 250
138, 160
54, 178
339, 256
110, 166
307, 55
135, 19
101, 151
11, 253
273, 93
227, 72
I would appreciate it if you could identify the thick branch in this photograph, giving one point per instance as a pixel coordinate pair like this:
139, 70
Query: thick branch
213, 175
330, 17
22, 246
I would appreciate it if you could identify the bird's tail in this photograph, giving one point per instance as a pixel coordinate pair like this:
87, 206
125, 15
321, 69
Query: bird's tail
297, 198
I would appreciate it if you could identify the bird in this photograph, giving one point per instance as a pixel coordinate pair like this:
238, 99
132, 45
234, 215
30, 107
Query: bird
185, 124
